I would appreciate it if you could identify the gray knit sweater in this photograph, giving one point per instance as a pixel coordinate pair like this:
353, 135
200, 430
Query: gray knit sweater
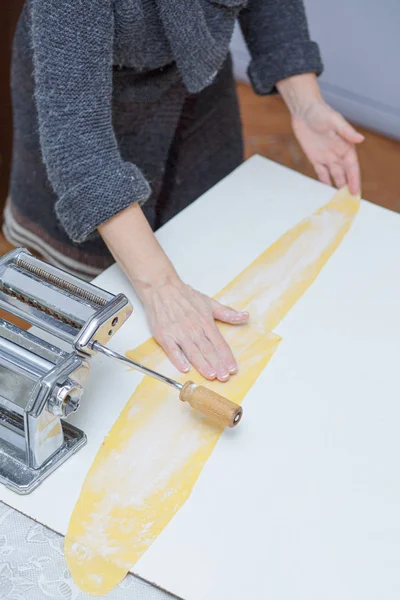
77, 43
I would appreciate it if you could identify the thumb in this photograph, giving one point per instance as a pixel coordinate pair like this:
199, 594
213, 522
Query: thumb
227, 314
347, 131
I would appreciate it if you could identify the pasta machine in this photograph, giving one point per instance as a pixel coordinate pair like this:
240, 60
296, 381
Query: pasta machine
41, 383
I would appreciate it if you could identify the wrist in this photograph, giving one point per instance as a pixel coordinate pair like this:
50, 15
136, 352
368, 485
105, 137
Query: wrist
145, 286
137, 251
299, 93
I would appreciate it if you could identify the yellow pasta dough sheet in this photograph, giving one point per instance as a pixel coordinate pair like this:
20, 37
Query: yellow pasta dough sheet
148, 464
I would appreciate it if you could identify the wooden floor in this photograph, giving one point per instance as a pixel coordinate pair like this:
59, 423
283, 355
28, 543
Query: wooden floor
267, 131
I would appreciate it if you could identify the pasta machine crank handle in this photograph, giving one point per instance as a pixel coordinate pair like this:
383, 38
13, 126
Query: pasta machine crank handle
221, 410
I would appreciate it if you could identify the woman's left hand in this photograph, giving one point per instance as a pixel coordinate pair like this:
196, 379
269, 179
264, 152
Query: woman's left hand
329, 142
327, 139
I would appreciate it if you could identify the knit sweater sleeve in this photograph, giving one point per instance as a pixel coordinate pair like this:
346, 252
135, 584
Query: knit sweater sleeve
276, 33
73, 50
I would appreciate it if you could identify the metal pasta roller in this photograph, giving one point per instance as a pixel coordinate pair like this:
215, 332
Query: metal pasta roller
41, 383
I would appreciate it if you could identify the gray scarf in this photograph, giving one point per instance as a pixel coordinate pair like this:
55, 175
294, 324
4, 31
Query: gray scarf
199, 38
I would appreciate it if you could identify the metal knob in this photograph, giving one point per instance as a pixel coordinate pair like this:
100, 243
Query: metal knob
65, 399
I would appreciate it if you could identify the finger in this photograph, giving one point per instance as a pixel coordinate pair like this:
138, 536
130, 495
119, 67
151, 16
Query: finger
347, 131
211, 355
352, 171
337, 174
323, 174
174, 354
196, 358
227, 314
222, 348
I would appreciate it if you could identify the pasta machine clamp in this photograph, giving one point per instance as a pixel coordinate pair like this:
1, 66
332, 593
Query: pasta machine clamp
41, 382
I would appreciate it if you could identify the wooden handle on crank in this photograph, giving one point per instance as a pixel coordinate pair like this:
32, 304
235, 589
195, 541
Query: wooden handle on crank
216, 407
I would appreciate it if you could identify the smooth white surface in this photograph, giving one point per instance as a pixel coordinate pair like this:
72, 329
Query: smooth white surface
302, 500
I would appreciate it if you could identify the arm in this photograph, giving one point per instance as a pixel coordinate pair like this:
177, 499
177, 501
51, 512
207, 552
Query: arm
276, 33
284, 58
181, 319
73, 48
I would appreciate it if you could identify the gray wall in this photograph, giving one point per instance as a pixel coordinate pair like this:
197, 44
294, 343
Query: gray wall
360, 43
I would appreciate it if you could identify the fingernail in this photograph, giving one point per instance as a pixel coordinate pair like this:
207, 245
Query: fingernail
223, 375
212, 375
240, 316
232, 370
185, 364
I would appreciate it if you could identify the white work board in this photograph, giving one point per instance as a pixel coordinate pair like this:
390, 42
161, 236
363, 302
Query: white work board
302, 500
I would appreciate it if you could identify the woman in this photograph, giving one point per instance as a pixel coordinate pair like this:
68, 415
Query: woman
125, 111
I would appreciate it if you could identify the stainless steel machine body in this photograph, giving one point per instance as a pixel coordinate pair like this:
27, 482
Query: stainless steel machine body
40, 383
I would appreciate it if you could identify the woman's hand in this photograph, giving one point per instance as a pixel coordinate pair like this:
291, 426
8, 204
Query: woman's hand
327, 139
182, 321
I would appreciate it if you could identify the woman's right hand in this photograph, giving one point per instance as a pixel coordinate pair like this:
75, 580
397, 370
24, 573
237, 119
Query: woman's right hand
182, 320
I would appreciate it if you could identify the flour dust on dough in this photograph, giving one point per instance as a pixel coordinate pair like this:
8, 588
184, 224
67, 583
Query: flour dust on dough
148, 464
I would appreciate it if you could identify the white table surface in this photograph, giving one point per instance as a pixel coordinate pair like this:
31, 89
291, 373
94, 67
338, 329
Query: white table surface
308, 505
